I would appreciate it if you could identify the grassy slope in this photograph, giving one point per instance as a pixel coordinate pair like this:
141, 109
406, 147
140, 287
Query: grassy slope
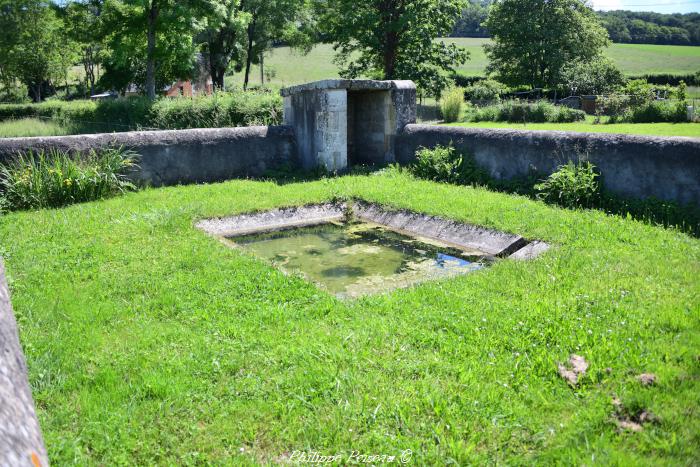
30, 127
656, 129
634, 59
149, 342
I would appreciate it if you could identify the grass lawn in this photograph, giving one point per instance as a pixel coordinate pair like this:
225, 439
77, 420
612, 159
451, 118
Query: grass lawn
633, 59
30, 127
655, 129
149, 342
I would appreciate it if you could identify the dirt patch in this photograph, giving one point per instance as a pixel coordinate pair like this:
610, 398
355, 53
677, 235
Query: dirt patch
632, 420
571, 370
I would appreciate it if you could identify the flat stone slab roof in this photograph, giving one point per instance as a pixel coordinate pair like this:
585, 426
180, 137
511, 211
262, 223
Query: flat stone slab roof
349, 84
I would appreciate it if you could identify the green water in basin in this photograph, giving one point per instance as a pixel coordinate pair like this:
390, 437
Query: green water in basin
359, 258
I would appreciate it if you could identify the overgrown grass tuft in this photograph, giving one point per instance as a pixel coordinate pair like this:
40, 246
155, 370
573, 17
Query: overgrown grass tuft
36, 180
26, 127
451, 104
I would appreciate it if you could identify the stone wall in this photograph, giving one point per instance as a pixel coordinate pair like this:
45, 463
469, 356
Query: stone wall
183, 156
21, 442
666, 168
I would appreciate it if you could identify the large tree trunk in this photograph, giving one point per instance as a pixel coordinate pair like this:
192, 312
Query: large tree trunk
35, 91
390, 55
249, 55
391, 11
150, 51
89, 66
217, 77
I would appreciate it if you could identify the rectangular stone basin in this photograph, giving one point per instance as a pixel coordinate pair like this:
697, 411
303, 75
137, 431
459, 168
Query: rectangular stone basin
358, 248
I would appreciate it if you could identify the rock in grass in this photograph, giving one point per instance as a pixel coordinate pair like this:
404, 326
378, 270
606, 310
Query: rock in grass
647, 379
576, 367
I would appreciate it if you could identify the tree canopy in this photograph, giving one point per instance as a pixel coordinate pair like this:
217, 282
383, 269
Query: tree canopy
394, 39
534, 39
30, 35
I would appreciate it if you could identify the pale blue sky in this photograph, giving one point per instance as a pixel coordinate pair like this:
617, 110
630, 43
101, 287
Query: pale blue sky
661, 6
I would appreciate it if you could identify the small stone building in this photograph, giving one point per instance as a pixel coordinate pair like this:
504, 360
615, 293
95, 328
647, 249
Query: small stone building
340, 122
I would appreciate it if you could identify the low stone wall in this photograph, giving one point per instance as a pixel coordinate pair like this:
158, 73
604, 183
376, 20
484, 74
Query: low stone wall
666, 168
183, 156
21, 442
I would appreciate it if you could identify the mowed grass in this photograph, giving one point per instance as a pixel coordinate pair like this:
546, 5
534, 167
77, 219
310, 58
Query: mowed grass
149, 342
652, 129
30, 127
634, 59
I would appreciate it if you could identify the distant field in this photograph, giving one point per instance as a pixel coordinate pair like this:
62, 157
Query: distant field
30, 127
634, 59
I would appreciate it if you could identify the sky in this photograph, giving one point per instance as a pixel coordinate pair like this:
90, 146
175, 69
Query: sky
660, 6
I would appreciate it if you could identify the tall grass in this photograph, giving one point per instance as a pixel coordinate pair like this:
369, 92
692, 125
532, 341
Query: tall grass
36, 180
31, 127
451, 104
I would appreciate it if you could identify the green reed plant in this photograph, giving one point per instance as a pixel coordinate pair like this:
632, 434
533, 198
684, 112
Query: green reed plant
41, 179
451, 104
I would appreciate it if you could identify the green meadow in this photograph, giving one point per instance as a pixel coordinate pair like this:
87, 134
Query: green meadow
150, 342
291, 67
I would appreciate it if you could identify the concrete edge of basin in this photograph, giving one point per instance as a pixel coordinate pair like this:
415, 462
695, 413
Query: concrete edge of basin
275, 219
446, 231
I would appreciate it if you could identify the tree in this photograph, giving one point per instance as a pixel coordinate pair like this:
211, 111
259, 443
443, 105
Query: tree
224, 38
32, 45
151, 41
394, 39
534, 39
83, 20
470, 22
592, 77
275, 20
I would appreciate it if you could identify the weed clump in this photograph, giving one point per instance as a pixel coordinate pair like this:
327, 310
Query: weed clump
36, 180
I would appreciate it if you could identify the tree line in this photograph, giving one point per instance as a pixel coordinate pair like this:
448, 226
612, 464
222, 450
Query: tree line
622, 26
152, 43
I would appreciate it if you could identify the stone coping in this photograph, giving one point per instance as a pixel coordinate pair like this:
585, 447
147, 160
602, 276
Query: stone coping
467, 237
349, 84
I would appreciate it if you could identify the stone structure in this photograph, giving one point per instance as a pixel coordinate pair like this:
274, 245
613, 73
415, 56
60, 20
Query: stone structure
343, 122
21, 442
340, 123
182, 156
632, 166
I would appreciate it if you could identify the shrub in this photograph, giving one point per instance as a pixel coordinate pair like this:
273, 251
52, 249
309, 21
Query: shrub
451, 104
486, 90
572, 185
46, 180
657, 111
597, 76
445, 164
639, 92
516, 111
124, 114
